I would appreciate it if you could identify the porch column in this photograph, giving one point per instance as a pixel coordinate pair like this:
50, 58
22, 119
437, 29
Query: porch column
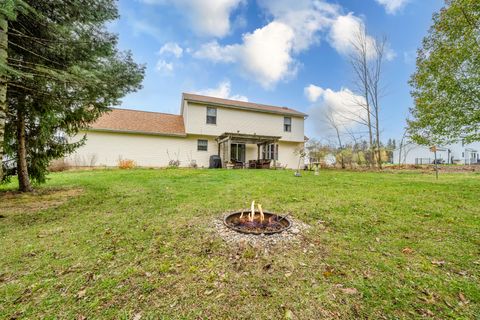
258, 151
275, 152
229, 149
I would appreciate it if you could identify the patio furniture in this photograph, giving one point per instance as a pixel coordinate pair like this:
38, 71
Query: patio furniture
237, 164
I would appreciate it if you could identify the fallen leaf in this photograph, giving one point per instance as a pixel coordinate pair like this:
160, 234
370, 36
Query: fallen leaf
289, 314
462, 298
349, 290
438, 263
219, 295
81, 293
407, 250
288, 274
377, 239
137, 316
208, 292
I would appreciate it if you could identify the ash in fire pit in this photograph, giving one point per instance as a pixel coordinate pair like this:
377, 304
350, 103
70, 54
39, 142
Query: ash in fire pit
257, 222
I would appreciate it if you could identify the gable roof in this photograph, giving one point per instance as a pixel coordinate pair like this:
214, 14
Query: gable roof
241, 105
135, 121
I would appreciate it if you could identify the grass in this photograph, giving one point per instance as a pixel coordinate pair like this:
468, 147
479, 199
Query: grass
138, 243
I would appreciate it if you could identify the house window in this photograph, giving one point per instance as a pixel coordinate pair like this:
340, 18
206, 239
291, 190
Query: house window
211, 115
287, 124
270, 151
202, 145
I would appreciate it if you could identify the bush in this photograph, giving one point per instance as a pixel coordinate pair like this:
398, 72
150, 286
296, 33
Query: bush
126, 164
173, 163
193, 164
58, 165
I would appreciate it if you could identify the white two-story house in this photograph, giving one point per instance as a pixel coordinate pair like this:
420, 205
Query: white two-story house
237, 131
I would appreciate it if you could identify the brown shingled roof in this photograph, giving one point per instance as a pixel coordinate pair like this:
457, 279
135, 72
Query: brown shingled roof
241, 105
126, 120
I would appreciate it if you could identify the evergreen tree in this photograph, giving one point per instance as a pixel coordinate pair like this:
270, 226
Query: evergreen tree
8, 12
446, 84
70, 74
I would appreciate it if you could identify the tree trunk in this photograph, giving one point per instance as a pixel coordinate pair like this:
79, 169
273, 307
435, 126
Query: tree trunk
341, 148
379, 152
22, 169
371, 157
3, 86
377, 131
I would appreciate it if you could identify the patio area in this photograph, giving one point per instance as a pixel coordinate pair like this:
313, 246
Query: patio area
237, 150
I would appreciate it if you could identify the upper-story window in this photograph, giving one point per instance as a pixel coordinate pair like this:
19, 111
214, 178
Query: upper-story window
287, 124
211, 115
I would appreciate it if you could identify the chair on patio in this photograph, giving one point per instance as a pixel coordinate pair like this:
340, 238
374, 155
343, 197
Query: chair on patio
237, 164
263, 164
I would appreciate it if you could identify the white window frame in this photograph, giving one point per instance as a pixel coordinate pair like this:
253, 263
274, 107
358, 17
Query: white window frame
210, 116
287, 125
202, 143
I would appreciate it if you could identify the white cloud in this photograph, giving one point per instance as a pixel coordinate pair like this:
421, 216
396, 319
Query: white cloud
215, 52
222, 91
264, 55
164, 67
171, 48
344, 106
344, 34
392, 6
313, 92
206, 17
305, 17
267, 55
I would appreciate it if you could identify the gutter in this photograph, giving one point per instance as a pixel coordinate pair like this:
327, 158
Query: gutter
179, 135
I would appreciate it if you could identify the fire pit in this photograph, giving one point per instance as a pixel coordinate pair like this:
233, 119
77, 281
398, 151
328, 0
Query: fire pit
256, 222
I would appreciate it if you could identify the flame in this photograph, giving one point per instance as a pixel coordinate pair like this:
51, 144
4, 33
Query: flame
262, 216
252, 212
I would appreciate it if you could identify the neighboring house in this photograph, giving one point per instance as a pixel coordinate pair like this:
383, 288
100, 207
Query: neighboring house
456, 153
234, 130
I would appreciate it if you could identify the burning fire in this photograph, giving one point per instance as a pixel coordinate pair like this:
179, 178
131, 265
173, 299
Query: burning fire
255, 220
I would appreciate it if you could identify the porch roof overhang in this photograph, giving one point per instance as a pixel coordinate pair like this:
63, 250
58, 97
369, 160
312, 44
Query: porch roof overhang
246, 138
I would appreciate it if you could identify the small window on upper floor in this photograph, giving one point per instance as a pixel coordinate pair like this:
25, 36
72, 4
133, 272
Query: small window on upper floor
202, 145
211, 115
287, 124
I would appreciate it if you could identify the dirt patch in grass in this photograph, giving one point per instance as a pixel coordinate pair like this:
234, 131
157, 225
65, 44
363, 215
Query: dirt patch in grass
18, 202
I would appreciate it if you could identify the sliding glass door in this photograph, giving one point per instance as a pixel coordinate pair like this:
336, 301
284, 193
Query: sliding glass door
238, 152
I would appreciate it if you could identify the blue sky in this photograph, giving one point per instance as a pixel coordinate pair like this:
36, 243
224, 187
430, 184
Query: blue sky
282, 52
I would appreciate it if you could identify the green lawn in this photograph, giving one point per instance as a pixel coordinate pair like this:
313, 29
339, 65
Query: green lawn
125, 244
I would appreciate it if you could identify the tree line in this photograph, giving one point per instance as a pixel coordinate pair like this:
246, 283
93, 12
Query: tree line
351, 154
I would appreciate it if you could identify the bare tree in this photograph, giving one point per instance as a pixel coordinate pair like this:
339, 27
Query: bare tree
359, 60
374, 83
330, 118
367, 61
